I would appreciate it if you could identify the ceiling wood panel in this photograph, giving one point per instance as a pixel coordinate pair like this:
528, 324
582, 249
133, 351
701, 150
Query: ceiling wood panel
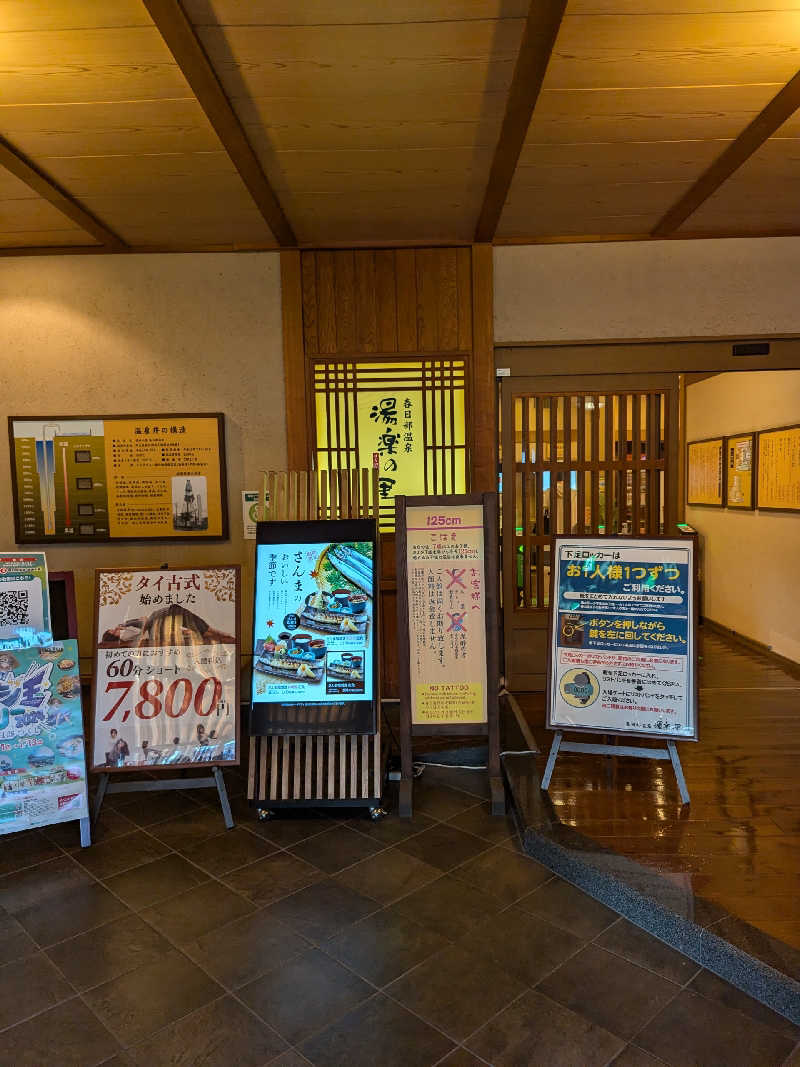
27, 15
346, 12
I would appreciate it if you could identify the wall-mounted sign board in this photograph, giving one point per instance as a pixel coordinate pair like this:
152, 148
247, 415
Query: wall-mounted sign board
118, 478
315, 646
779, 469
622, 655
740, 482
447, 595
705, 473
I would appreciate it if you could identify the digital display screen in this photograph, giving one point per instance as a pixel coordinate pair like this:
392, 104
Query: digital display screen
314, 641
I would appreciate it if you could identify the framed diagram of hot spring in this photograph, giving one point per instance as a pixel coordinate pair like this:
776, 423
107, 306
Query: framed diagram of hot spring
166, 668
315, 647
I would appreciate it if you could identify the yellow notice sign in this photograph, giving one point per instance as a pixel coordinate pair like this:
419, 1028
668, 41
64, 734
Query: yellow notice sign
163, 477
450, 702
446, 614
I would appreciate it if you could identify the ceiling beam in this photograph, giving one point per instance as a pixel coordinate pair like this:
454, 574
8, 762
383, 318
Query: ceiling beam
181, 39
21, 167
752, 137
538, 38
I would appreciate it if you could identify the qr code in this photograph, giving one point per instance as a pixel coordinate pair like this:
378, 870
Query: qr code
14, 607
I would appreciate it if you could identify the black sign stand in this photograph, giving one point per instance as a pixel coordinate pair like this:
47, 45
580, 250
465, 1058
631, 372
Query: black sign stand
492, 604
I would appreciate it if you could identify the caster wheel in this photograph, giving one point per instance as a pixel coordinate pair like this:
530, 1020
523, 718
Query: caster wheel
264, 814
377, 813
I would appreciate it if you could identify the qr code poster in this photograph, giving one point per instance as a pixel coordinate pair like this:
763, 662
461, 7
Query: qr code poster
24, 601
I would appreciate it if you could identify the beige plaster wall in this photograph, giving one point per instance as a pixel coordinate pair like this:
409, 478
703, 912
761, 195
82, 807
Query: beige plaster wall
751, 578
102, 335
646, 289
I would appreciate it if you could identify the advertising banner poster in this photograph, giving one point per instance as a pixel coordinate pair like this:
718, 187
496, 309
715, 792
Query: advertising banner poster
314, 622
42, 763
24, 600
119, 477
166, 667
622, 656
446, 614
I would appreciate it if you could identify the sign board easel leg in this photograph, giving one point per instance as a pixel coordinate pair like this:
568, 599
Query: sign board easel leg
155, 785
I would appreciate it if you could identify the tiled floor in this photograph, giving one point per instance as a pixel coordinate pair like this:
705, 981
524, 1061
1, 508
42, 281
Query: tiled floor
334, 940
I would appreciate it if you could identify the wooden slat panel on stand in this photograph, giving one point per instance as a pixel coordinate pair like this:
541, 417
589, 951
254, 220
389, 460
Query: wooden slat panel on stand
302, 768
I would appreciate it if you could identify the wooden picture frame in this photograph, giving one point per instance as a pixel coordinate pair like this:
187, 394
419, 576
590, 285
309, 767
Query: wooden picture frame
740, 481
700, 456
490, 728
166, 767
61, 496
768, 480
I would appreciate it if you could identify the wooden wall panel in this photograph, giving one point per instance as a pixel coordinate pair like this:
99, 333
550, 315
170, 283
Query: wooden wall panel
387, 301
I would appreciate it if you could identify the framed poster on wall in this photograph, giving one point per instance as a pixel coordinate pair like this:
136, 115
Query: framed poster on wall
740, 484
778, 469
166, 668
705, 473
315, 647
118, 478
622, 657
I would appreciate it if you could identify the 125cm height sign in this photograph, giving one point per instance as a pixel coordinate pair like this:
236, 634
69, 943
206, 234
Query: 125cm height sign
622, 641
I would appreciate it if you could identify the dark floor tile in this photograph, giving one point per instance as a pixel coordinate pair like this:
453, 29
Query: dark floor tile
694, 1030
139, 1003
389, 875
392, 829
120, 854
152, 808
42, 886
479, 820
383, 946
78, 910
440, 801
196, 911
151, 882
570, 908
460, 1057
15, 942
111, 824
68, 1035
457, 991
225, 1033
522, 944
323, 909
378, 1032
243, 949
291, 1058
536, 1032
229, 850
335, 849
709, 985
467, 780
270, 879
444, 846
25, 850
636, 945
108, 951
635, 1057
190, 829
609, 991
305, 996
28, 987
448, 906
776, 953
503, 874
289, 828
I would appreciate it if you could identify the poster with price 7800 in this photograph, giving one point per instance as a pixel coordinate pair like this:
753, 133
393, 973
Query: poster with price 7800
166, 668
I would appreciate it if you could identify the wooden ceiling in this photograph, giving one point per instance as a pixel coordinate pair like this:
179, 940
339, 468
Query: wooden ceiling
159, 124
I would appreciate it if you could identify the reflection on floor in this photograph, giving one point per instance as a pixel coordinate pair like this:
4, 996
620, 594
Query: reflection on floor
738, 842
331, 940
